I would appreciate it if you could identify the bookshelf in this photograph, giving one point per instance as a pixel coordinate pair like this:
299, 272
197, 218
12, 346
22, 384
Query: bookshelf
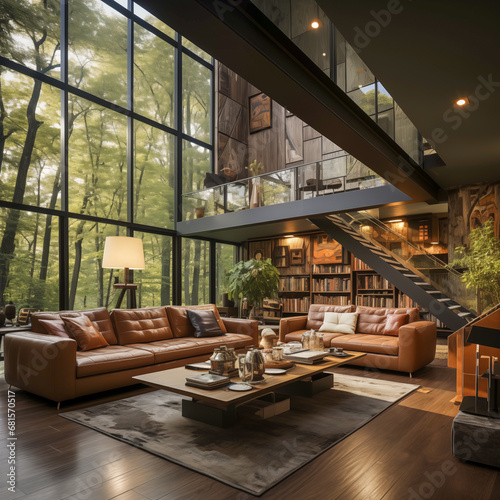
331, 283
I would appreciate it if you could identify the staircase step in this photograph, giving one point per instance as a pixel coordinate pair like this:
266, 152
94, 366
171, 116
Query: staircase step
399, 268
433, 291
455, 307
411, 275
464, 314
380, 252
422, 283
444, 300
390, 261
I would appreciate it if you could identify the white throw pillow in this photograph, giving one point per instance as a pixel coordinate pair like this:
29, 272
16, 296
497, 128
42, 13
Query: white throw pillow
339, 322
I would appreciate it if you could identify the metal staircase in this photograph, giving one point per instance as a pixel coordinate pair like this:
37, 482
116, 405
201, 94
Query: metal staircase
441, 300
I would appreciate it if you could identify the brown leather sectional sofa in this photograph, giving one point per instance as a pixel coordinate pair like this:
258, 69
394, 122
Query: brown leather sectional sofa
408, 348
140, 341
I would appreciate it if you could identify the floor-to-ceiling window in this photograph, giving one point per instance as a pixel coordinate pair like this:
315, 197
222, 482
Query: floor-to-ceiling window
105, 115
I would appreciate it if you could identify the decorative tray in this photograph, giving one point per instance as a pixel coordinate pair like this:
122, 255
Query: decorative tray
285, 364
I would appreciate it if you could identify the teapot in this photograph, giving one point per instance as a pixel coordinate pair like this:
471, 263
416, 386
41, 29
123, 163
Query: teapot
254, 361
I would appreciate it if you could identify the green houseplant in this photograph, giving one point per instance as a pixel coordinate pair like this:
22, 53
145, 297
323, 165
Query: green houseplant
253, 280
481, 261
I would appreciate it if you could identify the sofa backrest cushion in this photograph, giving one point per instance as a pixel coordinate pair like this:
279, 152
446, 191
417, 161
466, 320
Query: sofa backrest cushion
316, 314
134, 326
100, 316
373, 319
179, 321
83, 330
394, 322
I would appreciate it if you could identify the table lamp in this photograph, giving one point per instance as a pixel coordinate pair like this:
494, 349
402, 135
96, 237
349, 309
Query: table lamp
124, 252
489, 337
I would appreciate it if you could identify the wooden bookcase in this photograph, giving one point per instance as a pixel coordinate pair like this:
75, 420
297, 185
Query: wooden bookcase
350, 281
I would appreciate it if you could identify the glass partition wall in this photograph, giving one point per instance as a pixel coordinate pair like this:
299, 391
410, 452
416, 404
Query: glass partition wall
103, 110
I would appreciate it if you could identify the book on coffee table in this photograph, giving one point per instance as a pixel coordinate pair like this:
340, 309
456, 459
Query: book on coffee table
307, 357
207, 381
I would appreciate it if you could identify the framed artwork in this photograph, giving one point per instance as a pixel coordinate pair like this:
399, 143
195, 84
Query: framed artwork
296, 256
326, 250
260, 107
281, 256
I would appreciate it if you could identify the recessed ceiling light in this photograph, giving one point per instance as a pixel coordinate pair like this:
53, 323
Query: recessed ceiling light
324, 54
462, 101
315, 24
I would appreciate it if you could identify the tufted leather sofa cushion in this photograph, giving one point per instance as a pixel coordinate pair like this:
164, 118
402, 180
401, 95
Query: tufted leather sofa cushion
373, 319
180, 323
317, 313
99, 316
141, 325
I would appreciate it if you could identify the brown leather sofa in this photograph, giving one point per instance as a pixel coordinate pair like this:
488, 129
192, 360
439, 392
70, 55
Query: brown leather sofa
140, 341
407, 349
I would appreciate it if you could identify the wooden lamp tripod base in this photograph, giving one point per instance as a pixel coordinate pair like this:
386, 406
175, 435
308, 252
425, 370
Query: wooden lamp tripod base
124, 287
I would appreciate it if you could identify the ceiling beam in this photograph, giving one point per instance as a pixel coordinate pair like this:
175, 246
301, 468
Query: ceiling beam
242, 38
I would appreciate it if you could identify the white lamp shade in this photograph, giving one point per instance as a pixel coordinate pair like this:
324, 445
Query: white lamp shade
122, 252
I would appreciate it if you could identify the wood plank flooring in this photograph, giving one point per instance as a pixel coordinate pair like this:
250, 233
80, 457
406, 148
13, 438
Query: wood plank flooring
404, 453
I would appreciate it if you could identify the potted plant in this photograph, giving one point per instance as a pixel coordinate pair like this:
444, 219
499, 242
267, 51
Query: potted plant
481, 261
253, 280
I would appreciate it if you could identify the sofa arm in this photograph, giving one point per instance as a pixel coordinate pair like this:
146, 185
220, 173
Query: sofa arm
292, 324
244, 326
41, 364
417, 345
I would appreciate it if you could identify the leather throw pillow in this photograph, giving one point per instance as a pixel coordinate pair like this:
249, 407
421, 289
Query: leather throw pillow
394, 322
204, 323
54, 327
85, 333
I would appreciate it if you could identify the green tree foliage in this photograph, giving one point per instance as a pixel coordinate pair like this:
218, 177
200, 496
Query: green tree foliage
98, 148
253, 280
481, 261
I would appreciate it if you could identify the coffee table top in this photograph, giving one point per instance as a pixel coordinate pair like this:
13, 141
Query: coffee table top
174, 380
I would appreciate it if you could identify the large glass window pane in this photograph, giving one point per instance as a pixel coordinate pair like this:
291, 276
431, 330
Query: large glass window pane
194, 48
364, 97
98, 50
29, 263
225, 258
90, 284
97, 160
385, 100
195, 272
406, 135
154, 81
196, 99
30, 34
153, 176
30, 152
154, 21
154, 284
358, 74
195, 165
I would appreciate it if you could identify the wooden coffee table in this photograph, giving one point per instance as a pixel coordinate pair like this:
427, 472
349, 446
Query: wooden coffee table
218, 406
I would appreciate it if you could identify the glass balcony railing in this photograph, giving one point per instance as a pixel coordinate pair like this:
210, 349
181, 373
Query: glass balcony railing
335, 175
415, 258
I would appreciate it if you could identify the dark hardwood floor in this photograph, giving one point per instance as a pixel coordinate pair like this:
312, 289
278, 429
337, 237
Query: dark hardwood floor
404, 453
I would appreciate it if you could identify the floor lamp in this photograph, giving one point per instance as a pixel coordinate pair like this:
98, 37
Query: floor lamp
490, 407
124, 252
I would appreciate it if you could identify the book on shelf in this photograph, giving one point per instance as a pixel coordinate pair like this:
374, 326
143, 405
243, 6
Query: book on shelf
207, 381
331, 268
372, 281
332, 300
296, 304
374, 300
293, 284
359, 265
332, 285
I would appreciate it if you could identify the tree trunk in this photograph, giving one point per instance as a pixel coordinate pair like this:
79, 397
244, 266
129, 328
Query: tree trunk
196, 273
187, 251
8, 244
78, 262
166, 252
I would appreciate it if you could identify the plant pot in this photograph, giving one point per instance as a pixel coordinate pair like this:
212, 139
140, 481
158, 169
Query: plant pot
200, 212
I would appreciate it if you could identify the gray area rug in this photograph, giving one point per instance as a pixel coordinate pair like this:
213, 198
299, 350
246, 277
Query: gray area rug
254, 454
